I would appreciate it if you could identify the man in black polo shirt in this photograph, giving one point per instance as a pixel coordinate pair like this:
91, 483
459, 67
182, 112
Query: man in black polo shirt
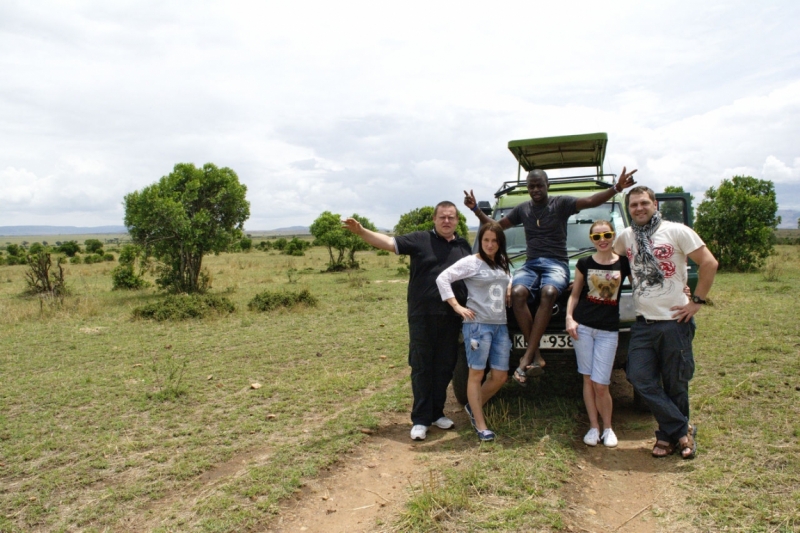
433, 326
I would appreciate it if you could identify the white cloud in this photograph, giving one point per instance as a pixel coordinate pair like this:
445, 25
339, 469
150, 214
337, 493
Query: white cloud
377, 109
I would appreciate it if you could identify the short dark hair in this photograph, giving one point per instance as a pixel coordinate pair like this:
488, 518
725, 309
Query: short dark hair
537, 173
643, 189
444, 204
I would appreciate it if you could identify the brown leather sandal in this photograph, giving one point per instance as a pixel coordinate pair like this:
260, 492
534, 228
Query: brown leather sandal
688, 445
663, 449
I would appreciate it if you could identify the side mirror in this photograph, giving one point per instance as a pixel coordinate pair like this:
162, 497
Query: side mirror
484, 206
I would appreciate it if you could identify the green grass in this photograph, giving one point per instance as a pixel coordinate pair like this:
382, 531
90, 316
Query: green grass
98, 432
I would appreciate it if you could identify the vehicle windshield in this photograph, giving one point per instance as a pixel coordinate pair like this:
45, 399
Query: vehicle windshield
577, 228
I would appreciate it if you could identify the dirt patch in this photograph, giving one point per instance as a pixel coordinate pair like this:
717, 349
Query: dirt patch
620, 489
365, 491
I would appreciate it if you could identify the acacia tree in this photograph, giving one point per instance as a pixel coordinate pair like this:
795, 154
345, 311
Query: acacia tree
737, 222
328, 231
185, 215
421, 219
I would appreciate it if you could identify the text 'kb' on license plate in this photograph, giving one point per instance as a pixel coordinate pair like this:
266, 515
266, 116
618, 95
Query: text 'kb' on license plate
554, 341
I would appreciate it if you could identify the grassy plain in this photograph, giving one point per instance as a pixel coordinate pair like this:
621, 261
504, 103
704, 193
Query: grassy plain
85, 443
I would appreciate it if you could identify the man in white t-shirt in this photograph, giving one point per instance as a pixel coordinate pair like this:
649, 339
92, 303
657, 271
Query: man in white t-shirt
660, 359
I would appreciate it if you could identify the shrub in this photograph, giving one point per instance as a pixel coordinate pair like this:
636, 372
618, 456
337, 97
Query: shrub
75, 260
280, 244
295, 247
93, 246
108, 257
265, 246
70, 248
268, 300
382, 252
246, 244
92, 259
14, 249
124, 277
38, 276
185, 306
36, 248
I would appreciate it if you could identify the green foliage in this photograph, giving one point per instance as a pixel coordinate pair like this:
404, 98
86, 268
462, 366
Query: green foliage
296, 247
328, 231
265, 246
36, 248
75, 260
168, 373
93, 246
124, 277
39, 278
421, 219
70, 248
92, 259
382, 252
108, 257
737, 222
15, 250
185, 215
269, 300
280, 244
185, 306
246, 244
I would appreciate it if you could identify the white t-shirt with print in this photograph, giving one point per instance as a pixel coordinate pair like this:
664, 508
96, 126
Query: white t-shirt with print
672, 243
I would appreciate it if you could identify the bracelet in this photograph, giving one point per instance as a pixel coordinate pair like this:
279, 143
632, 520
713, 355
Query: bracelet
474, 208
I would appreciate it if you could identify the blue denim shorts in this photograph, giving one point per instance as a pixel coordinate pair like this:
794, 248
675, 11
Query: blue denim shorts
536, 273
487, 342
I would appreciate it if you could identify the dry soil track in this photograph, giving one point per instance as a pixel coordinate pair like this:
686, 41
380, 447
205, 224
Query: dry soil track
611, 490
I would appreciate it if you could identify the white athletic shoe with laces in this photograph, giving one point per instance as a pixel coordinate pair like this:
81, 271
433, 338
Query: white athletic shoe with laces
419, 432
444, 423
609, 438
592, 437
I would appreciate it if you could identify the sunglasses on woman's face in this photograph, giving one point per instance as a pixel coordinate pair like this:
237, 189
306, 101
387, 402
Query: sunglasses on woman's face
607, 235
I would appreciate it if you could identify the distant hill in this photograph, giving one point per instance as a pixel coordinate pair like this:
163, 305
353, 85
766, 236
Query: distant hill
20, 231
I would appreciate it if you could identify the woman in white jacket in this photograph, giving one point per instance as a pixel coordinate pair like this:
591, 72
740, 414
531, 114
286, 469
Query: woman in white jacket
486, 275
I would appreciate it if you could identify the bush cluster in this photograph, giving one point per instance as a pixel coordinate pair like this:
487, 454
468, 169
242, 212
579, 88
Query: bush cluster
185, 306
268, 300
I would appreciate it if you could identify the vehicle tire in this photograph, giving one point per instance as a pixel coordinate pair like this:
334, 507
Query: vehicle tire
461, 375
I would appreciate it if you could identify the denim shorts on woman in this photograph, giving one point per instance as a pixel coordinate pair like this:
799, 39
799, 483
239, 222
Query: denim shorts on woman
486, 342
596, 350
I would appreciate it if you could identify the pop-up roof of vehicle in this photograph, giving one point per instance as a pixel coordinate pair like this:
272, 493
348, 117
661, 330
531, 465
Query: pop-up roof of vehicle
568, 151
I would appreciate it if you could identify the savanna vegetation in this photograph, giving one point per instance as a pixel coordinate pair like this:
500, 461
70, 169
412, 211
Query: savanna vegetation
111, 420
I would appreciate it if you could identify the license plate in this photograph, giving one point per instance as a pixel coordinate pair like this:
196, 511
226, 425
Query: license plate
553, 341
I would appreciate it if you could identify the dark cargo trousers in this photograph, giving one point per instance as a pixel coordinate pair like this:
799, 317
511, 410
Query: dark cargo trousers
660, 365
432, 352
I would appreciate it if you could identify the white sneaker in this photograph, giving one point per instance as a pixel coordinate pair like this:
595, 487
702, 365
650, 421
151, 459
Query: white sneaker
419, 432
609, 438
444, 423
592, 437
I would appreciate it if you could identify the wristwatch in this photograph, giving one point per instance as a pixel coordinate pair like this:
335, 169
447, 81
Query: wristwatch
696, 299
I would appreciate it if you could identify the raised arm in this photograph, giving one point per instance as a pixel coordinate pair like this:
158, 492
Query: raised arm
378, 240
472, 205
625, 181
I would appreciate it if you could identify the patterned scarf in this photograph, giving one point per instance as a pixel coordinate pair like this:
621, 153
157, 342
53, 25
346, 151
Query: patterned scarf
644, 251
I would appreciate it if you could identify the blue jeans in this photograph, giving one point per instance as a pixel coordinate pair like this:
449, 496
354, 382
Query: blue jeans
486, 342
595, 350
536, 273
660, 365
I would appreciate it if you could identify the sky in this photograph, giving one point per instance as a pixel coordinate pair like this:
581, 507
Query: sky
378, 108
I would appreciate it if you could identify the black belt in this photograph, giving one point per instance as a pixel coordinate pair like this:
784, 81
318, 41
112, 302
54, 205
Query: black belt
640, 318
